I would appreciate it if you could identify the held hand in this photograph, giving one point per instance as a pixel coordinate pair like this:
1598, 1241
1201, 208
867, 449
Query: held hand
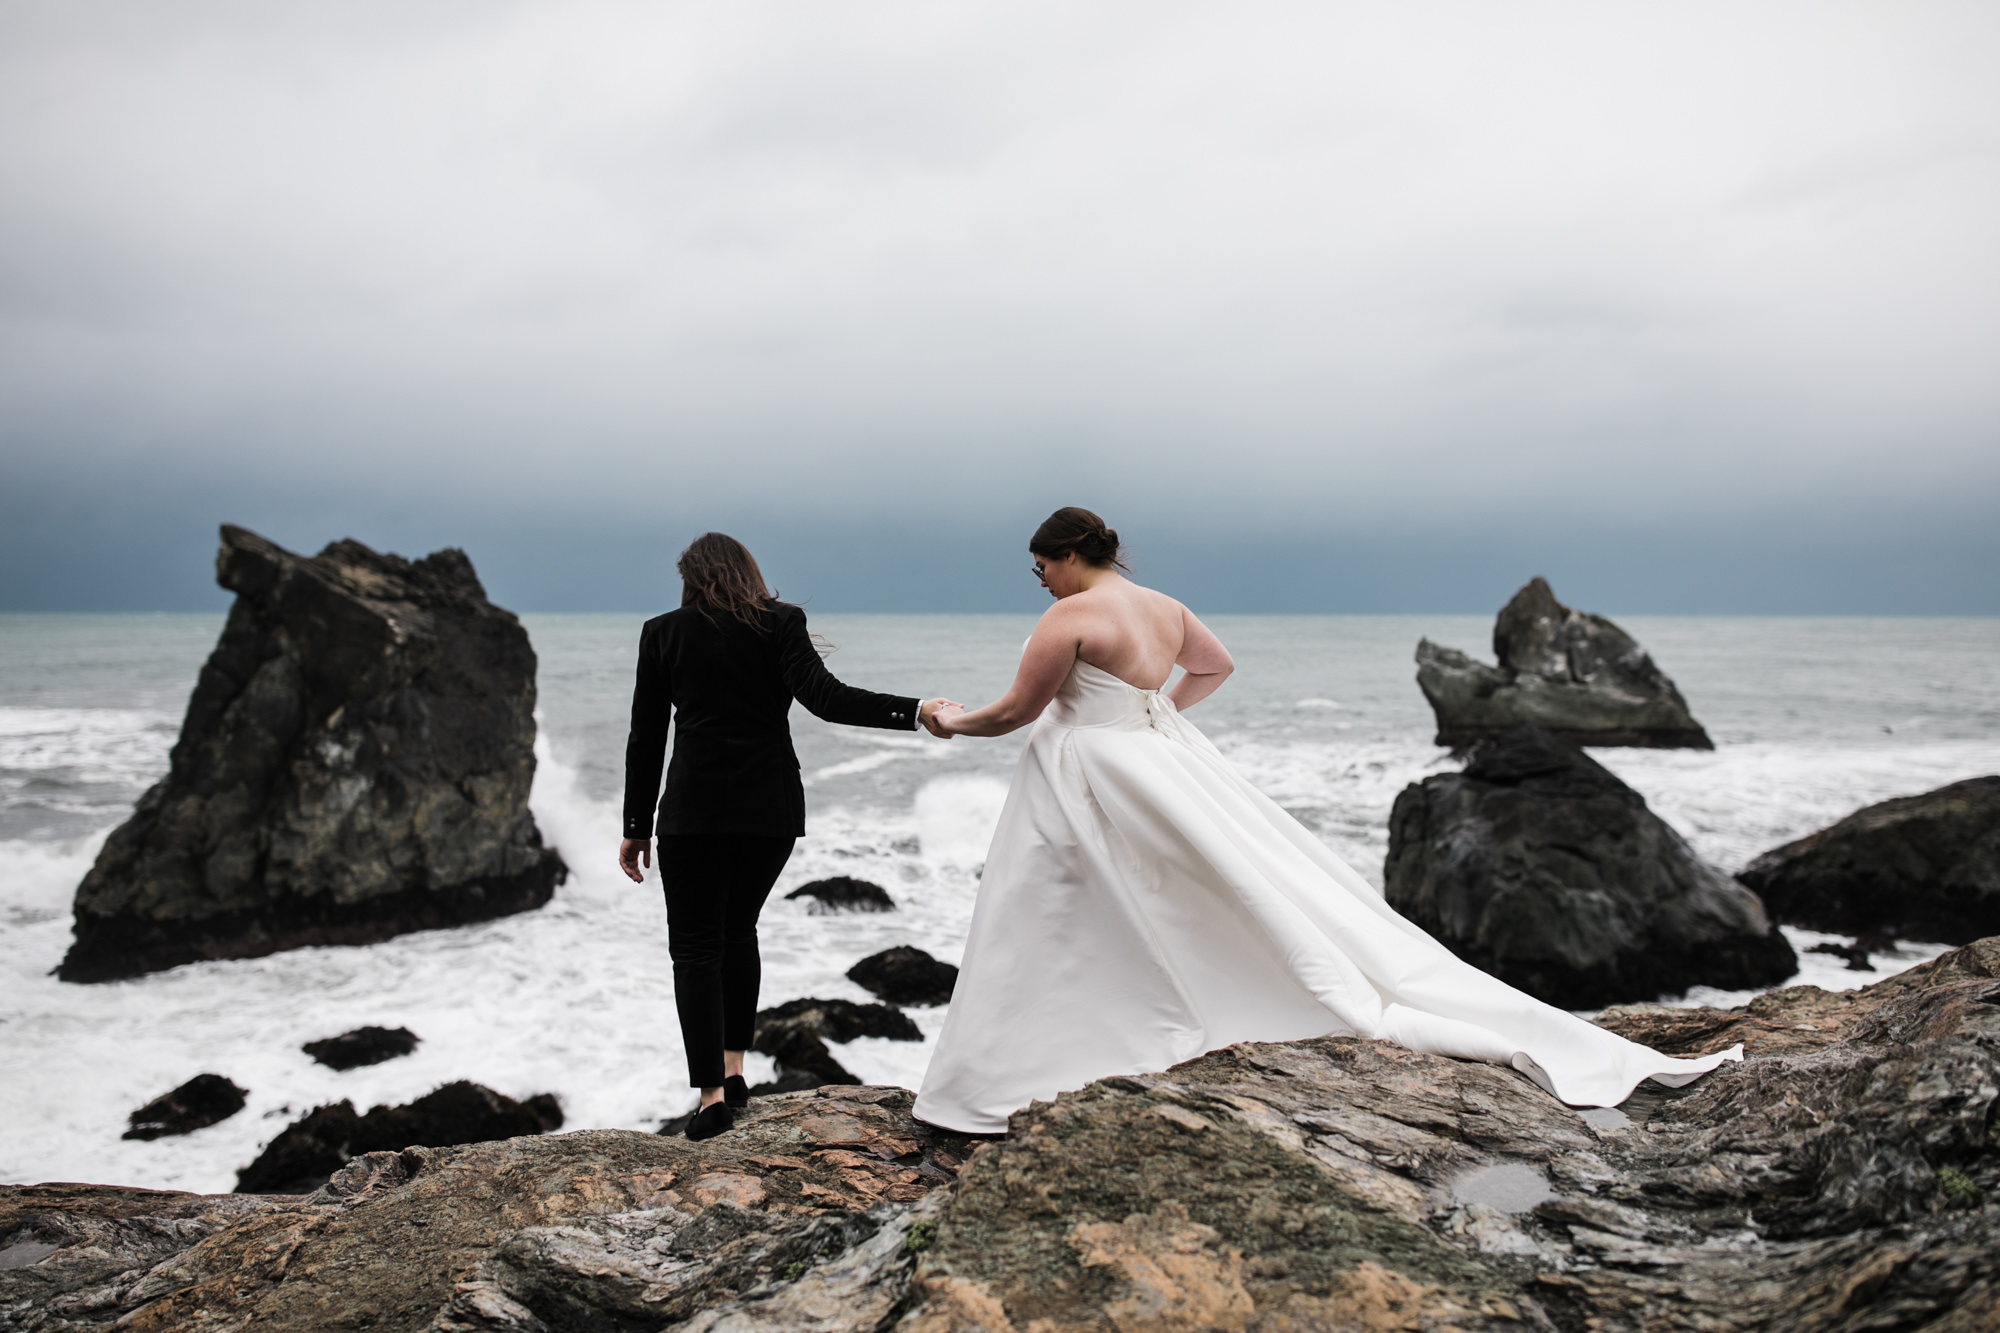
943, 716
927, 713
630, 853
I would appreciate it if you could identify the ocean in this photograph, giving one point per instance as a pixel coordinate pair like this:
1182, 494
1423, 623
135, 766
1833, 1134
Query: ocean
1812, 719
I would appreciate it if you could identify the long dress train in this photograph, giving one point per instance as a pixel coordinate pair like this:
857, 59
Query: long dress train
1143, 904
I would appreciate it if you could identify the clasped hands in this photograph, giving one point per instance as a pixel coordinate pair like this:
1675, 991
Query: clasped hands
936, 714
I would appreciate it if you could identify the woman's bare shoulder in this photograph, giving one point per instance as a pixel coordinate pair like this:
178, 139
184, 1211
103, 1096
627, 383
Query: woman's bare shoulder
1158, 602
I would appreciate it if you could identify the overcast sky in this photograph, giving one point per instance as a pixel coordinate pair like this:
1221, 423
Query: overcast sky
1327, 307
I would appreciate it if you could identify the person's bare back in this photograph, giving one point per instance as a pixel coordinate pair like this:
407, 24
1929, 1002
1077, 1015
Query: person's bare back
1111, 623
1134, 633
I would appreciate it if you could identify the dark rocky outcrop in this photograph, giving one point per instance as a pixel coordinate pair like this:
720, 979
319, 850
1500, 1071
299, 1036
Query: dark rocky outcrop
1577, 674
318, 1144
1854, 955
843, 893
354, 764
1917, 868
1542, 868
795, 1035
363, 1046
905, 975
803, 1062
1845, 1177
840, 1020
203, 1100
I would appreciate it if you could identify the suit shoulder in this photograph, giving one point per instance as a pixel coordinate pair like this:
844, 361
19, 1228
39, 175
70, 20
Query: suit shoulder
667, 625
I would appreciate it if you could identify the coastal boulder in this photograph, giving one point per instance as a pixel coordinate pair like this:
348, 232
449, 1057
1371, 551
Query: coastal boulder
310, 1149
1916, 868
363, 1046
795, 1034
203, 1100
354, 764
839, 1020
1574, 673
803, 1062
843, 893
1537, 865
905, 975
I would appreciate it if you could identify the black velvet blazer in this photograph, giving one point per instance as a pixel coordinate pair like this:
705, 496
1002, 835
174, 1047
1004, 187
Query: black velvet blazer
728, 688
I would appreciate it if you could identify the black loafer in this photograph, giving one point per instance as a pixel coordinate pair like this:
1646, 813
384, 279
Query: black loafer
735, 1092
711, 1120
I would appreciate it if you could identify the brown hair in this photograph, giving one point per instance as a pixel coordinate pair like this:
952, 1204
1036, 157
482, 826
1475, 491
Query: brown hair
1072, 529
719, 576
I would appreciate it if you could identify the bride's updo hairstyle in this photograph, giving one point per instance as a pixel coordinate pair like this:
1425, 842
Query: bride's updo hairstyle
719, 577
1072, 529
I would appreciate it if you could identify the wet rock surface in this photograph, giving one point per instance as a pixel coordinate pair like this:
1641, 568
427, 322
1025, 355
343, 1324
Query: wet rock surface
363, 1046
1577, 674
795, 1035
1539, 866
310, 1149
843, 893
1918, 867
840, 1020
203, 1100
354, 764
1842, 1178
905, 975
802, 1217
803, 1062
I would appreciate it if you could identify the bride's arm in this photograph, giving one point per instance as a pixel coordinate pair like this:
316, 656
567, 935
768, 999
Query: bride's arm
1203, 660
1045, 664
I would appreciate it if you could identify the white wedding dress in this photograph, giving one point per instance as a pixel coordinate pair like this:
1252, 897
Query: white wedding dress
1143, 904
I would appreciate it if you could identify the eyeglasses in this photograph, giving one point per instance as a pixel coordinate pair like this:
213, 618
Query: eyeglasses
1040, 573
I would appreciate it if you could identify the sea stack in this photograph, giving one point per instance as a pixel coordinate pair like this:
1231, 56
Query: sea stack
1540, 867
1576, 674
355, 764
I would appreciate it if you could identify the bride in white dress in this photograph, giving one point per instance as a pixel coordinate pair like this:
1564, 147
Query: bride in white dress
1143, 904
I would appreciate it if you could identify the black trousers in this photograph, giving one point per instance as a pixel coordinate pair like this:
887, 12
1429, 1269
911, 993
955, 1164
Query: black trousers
715, 886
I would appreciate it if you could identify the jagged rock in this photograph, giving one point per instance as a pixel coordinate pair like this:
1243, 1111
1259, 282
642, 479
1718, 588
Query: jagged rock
795, 1035
1846, 1176
312, 1148
803, 1062
814, 1203
1541, 867
1797, 1018
905, 975
840, 1020
363, 1046
1853, 955
202, 1101
1916, 868
354, 764
844, 894
1577, 674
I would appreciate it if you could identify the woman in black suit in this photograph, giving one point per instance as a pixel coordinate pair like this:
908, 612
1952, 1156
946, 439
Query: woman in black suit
726, 667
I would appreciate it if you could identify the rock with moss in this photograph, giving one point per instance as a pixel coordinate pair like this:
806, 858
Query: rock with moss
354, 764
1574, 673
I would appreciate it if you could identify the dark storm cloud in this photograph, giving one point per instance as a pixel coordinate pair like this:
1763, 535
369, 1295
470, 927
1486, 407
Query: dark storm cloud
573, 278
